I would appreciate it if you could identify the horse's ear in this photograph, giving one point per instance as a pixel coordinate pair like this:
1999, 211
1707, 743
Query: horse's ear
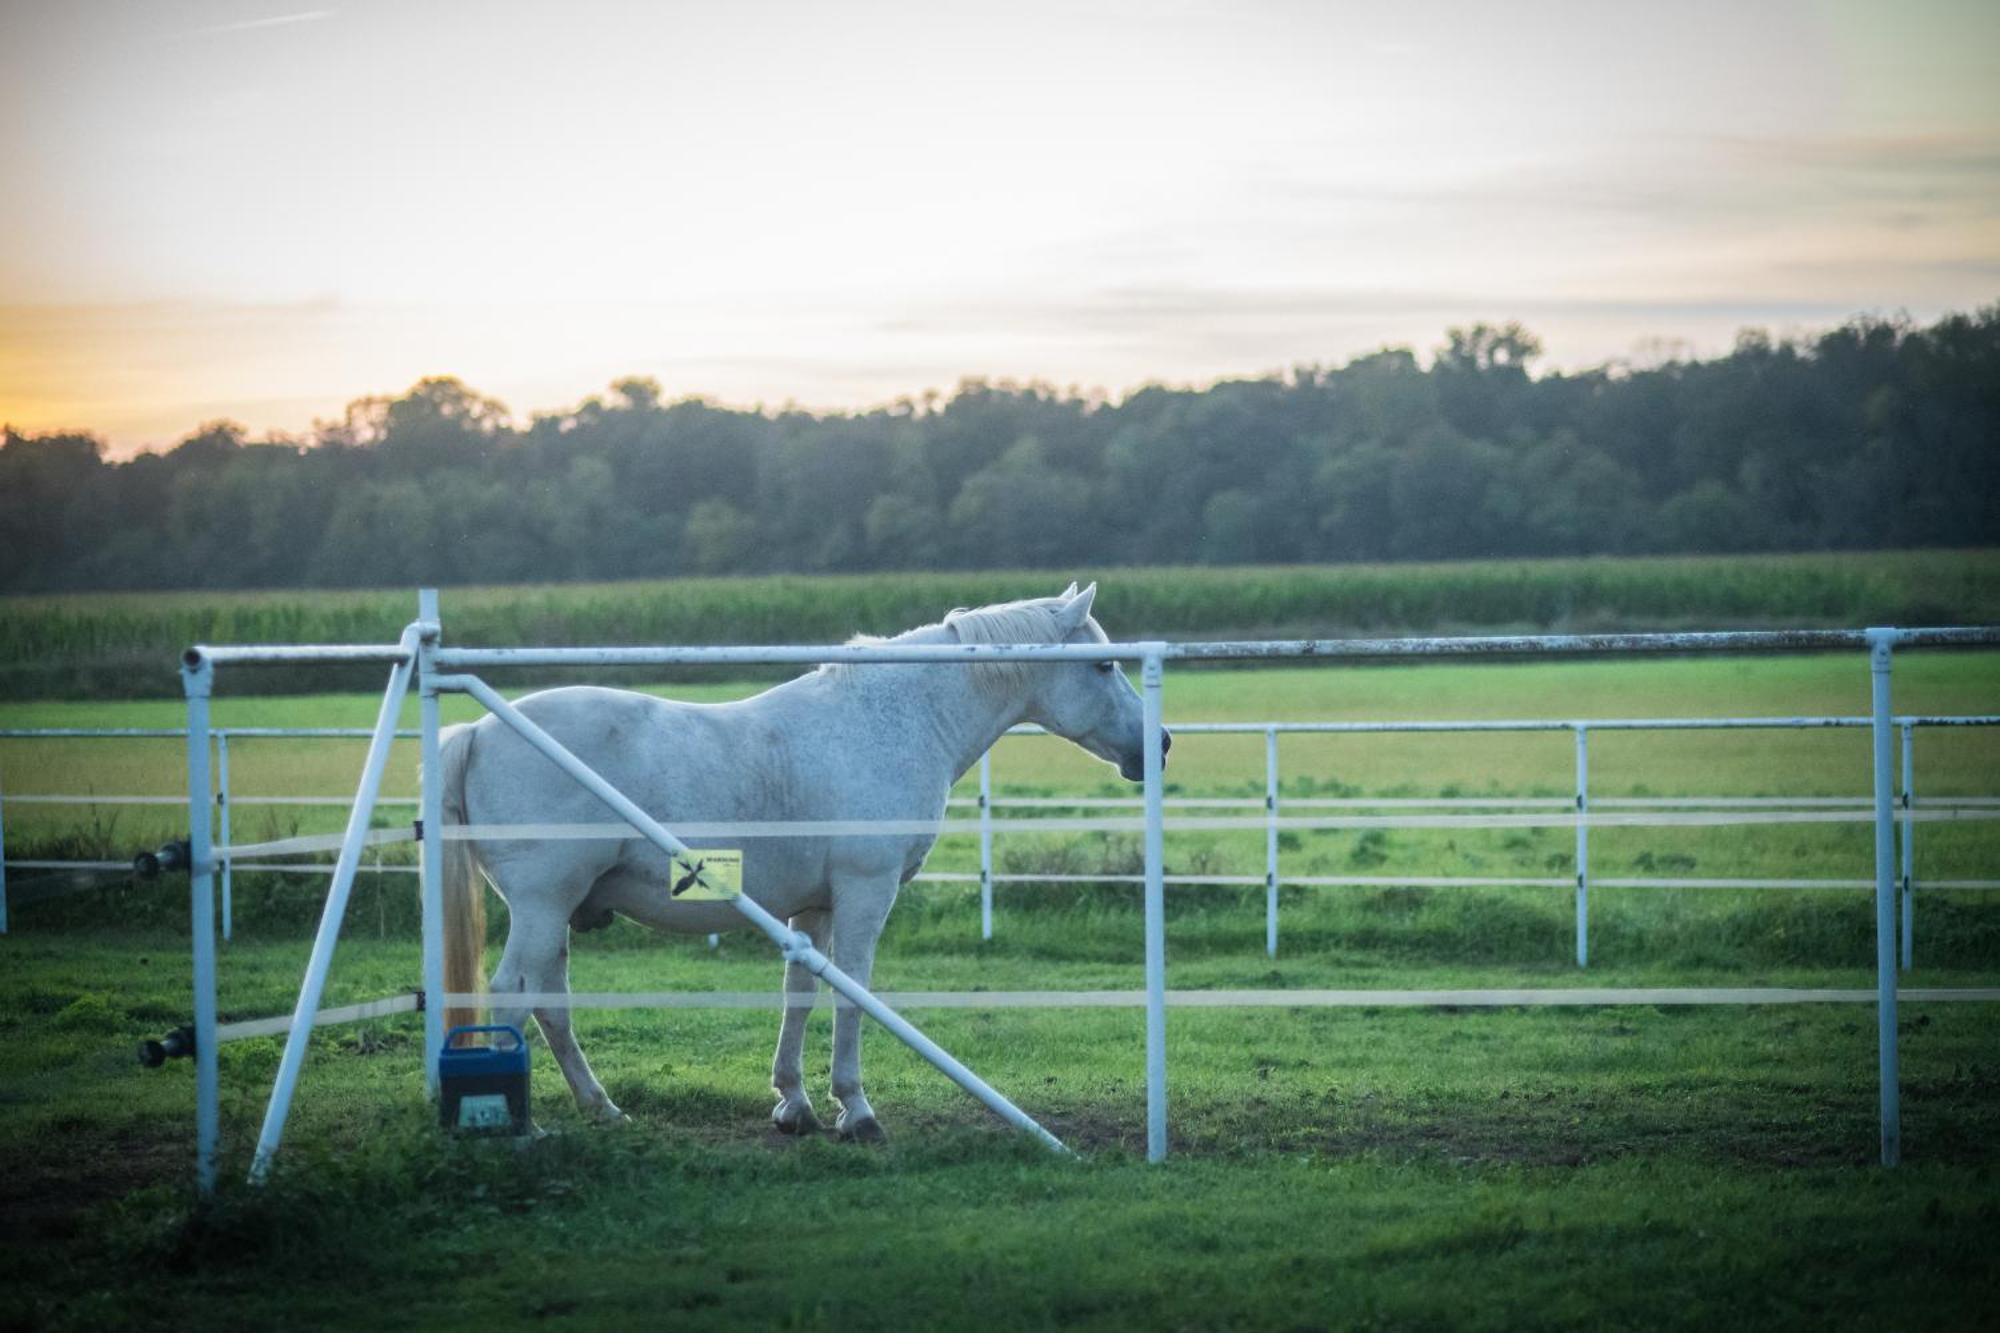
1070, 591
1077, 610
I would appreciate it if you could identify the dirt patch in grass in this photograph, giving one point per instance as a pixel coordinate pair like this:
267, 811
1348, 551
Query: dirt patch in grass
46, 1198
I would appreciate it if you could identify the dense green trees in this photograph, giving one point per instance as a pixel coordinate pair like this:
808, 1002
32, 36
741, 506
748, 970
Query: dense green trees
1876, 434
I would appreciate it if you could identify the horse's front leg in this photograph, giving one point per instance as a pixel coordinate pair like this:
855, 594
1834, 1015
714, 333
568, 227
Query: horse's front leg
794, 1112
860, 906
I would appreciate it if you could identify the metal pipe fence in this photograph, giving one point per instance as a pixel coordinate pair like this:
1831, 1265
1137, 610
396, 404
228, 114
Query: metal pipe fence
1582, 802
439, 668
224, 798
1272, 803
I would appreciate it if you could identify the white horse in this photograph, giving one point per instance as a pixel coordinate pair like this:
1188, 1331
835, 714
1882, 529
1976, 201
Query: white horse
853, 742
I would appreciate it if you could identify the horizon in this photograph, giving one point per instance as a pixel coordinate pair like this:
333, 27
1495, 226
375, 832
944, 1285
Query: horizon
262, 212
925, 401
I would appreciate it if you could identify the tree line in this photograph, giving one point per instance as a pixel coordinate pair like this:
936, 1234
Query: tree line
1877, 434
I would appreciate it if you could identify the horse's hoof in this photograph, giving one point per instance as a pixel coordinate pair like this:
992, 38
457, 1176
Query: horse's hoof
795, 1118
865, 1130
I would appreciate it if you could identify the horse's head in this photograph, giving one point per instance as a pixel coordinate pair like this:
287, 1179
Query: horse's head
1091, 703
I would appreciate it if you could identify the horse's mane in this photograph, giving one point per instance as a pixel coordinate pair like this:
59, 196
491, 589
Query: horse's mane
1029, 621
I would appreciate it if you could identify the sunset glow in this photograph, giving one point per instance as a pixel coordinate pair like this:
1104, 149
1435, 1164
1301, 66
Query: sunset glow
262, 211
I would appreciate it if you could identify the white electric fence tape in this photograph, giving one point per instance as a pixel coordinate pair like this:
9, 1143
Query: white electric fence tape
1127, 999
1227, 999
346, 1013
1185, 824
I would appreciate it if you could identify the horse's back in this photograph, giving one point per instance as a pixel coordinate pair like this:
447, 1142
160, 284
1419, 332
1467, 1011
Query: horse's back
690, 761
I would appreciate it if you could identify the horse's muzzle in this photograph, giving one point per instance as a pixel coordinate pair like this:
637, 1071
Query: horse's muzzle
1134, 769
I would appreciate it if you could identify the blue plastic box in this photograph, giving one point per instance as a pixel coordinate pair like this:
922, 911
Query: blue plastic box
484, 1089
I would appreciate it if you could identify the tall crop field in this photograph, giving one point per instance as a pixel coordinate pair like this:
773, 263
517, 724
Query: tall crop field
108, 645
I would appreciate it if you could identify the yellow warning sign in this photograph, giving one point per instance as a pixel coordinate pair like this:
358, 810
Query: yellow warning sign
713, 874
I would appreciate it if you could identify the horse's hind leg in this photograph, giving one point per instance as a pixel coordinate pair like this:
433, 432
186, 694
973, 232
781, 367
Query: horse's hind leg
537, 962
858, 914
794, 1112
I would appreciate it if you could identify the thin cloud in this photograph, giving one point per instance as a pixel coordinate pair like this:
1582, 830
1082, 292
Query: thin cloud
1132, 309
1968, 153
276, 21
1694, 179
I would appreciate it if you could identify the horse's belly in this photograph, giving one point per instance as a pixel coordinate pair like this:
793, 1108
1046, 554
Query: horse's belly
783, 880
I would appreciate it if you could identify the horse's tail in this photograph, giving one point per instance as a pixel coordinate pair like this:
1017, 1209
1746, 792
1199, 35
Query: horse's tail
464, 898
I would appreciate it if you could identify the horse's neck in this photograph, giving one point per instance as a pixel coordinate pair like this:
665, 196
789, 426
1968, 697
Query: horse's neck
947, 712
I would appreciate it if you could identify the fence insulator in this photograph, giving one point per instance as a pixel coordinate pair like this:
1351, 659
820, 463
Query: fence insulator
155, 1052
169, 856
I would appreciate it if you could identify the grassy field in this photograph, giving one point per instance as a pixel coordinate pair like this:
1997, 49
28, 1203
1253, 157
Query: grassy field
1573, 1168
1684, 1168
115, 645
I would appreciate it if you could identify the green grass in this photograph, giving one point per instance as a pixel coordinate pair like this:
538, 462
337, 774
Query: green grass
106, 645
1635, 1167
1578, 1168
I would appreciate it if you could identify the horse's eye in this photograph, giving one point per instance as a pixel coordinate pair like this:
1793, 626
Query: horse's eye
1106, 668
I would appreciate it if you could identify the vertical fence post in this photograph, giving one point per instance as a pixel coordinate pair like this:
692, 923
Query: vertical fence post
986, 845
1909, 851
1582, 845
430, 818
197, 682
1152, 674
222, 830
1271, 841
1881, 645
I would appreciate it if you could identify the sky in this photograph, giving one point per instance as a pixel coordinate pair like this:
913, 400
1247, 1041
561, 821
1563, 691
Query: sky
261, 211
